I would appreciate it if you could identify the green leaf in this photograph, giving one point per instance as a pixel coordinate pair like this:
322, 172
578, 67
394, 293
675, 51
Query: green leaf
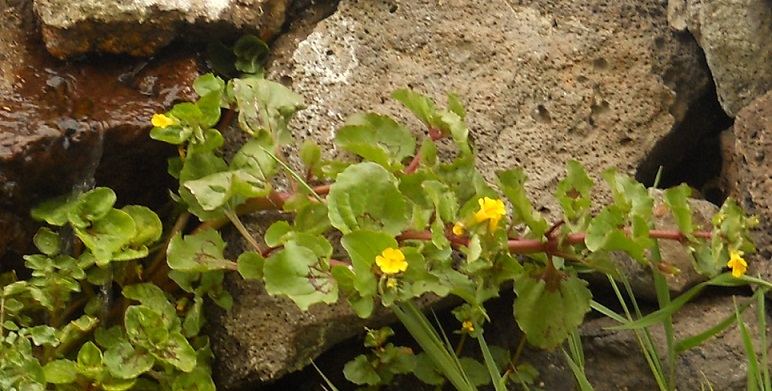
197, 166
197, 380
677, 199
153, 297
209, 104
216, 190
266, 106
108, 235
177, 352
255, 157
60, 372
43, 335
511, 183
90, 360
47, 241
452, 123
251, 53
365, 196
149, 226
421, 106
360, 371
604, 233
444, 200
250, 265
362, 305
548, 311
53, 211
92, 206
475, 371
172, 134
208, 83
199, 252
276, 233
194, 318
376, 138
125, 362
362, 247
310, 153
295, 272
145, 327
573, 194
312, 218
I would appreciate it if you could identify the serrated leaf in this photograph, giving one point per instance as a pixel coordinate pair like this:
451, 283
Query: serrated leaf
250, 265
452, 123
604, 233
573, 194
376, 138
547, 314
365, 196
199, 252
421, 106
125, 362
295, 272
511, 183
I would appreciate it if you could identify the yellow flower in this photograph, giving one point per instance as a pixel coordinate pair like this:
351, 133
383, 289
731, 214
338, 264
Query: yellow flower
162, 121
737, 263
458, 229
391, 261
491, 210
467, 326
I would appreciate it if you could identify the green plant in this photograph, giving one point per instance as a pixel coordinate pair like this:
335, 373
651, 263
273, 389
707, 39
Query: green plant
411, 222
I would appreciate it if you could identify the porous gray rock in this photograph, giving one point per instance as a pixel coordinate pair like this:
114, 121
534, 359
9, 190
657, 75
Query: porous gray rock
543, 82
735, 37
142, 27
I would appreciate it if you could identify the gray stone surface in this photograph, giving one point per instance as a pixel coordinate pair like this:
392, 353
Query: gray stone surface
735, 35
142, 27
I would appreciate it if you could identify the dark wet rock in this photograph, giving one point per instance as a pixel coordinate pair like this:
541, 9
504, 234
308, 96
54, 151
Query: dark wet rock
748, 177
735, 37
59, 121
141, 28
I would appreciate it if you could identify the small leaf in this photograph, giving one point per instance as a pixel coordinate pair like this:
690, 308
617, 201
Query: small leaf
199, 252
376, 138
43, 335
92, 206
310, 153
90, 360
421, 106
573, 194
362, 247
60, 372
676, 199
177, 352
125, 362
266, 106
250, 265
365, 196
275, 234
214, 191
512, 184
207, 83
295, 272
360, 371
197, 380
53, 211
108, 235
47, 241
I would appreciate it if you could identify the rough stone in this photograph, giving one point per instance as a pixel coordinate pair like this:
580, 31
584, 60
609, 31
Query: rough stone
747, 152
58, 121
735, 37
142, 27
543, 82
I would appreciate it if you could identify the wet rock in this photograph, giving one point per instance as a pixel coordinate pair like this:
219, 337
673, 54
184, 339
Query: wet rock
59, 121
141, 28
735, 37
747, 149
543, 82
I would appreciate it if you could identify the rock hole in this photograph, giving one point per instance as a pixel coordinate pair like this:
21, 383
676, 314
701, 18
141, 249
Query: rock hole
393, 8
541, 114
691, 152
600, 64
